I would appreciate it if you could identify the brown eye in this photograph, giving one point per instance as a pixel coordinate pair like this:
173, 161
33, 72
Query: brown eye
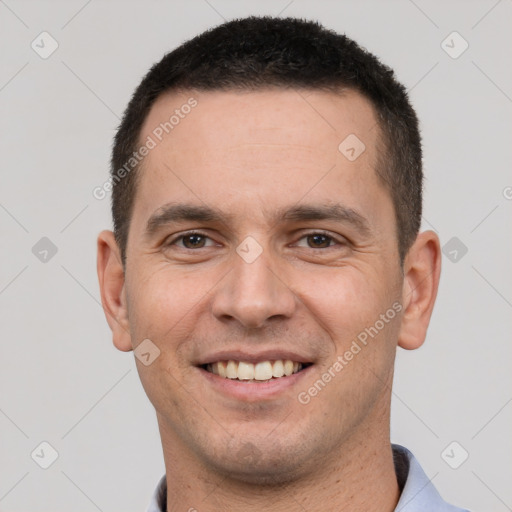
193, 241
319, 241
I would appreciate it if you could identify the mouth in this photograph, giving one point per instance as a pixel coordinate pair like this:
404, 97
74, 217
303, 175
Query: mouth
258, 372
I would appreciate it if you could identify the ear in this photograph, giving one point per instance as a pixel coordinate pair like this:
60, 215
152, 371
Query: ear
422, 269
112, 287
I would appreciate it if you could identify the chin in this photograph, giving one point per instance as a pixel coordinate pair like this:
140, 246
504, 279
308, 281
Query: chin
268, 473
260, 463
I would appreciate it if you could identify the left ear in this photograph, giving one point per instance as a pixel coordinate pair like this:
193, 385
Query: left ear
422, 269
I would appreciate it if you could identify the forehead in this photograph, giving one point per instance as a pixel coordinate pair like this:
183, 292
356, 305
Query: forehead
259, 149
223, 119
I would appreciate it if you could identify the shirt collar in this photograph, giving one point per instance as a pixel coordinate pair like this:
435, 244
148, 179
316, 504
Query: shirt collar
158, 501
418, 492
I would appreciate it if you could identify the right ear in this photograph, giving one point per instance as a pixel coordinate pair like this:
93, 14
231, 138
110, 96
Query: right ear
112, 286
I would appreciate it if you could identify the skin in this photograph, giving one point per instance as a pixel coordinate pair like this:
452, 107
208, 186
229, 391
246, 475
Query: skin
248, 155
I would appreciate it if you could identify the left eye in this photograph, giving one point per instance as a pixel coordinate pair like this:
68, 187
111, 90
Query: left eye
318, 241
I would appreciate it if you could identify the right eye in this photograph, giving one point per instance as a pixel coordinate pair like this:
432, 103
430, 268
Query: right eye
191, 240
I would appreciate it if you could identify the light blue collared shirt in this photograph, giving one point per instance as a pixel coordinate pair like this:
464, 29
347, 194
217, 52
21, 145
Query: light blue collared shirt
418, 494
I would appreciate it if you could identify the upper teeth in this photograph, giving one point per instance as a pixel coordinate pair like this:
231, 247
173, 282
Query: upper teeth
263, 370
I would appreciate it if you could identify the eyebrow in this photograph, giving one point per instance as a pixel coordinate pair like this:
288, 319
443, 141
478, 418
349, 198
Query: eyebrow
182, 212
335, 212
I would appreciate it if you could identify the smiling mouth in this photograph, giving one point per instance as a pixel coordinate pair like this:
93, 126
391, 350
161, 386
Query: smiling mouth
263, 371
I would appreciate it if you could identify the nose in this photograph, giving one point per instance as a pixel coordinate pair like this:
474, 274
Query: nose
253, 293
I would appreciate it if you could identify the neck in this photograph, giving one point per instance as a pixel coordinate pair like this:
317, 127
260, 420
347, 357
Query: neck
359, 476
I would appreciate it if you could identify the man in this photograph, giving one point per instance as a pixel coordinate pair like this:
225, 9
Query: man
265, 263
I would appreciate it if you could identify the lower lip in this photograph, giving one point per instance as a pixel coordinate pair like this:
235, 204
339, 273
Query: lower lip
253, 391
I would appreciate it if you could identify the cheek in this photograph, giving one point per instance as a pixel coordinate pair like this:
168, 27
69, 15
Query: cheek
164, 309
342, 300
164, 303
356, 372
348, 305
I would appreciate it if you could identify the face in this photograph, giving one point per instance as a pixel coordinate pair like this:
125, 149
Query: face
254, 239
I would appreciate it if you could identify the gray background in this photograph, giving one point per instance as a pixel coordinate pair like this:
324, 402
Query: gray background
61, 379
